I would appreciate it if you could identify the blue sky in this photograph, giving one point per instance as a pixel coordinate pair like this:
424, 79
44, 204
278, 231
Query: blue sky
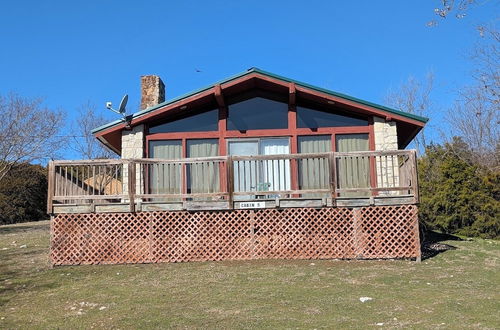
72, 52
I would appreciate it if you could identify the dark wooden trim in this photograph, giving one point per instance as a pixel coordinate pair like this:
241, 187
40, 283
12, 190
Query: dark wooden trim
184, 179
183, 135
216, 91
364, 108
292, 127
371, 142
292, 95
181, 160
219, 97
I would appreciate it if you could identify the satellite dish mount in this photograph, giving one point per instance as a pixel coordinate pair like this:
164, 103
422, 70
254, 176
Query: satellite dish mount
121, 109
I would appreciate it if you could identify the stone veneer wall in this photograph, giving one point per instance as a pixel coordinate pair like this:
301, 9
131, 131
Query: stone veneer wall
132, 147
386, 138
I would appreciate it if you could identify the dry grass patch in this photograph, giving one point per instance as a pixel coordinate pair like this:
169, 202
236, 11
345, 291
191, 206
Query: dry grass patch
454, 289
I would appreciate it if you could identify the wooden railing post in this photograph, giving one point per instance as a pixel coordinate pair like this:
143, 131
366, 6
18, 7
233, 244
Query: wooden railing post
414, 179
373, 175
51, 176
131, 184
230, 180
333, 175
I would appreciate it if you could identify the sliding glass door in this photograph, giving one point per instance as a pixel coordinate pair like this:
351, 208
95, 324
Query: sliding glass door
275, 173
260, 175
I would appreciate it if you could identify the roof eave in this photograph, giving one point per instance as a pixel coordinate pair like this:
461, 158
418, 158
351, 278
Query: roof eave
138, 114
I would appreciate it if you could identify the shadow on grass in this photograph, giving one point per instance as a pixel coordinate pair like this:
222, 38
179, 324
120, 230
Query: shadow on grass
432, 243
20, 228
18, 275
9, 290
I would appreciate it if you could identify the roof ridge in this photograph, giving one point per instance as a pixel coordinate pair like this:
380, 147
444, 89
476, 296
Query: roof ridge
273, 75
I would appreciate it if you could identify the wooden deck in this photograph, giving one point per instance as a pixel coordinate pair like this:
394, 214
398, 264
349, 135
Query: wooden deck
234, 182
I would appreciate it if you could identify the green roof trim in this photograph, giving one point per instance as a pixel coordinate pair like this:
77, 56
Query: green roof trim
272, 75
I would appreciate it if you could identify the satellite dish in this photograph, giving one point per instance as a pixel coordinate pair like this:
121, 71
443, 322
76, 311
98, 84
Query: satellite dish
123, 104
121, 109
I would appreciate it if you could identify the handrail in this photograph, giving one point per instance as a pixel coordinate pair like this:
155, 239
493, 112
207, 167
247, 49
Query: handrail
327, 174
283, 156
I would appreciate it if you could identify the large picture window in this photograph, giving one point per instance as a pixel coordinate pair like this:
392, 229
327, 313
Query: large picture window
205, 121
311, 118
257, 113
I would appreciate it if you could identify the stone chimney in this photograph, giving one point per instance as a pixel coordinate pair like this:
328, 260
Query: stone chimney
152, 91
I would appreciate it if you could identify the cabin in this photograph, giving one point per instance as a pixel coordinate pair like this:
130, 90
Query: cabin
254, 166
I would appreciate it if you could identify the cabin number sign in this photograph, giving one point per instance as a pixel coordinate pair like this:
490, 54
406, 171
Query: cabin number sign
252, 205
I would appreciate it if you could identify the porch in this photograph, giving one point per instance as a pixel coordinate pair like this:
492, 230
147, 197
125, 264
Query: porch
305, 180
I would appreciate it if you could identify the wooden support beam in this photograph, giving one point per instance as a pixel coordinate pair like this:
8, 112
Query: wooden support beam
292, 95
292, 126
219, 97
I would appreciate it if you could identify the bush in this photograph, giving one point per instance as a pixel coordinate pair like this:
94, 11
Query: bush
458, 196
23, 194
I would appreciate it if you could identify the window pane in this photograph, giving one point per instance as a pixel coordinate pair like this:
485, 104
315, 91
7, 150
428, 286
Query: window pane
352, 142
165, 149
203, 177
244, 148
275, 173
245, 172
310, 118
314, 173
165, 178
257, 113
353, 172
206, 121
315, 143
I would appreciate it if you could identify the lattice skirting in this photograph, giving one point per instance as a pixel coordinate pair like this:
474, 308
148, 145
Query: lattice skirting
293, 233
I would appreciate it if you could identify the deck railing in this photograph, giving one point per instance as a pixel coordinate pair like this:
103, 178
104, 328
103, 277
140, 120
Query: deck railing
331, 175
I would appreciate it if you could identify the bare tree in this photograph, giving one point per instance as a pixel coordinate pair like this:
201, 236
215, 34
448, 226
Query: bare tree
486, 57
28, 131
85, 143
413, 96
476, 114
457, 8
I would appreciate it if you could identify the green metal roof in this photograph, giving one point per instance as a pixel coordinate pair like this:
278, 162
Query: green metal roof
272, 75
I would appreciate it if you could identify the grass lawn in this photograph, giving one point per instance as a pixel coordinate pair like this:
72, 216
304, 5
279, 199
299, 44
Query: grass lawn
455, 289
